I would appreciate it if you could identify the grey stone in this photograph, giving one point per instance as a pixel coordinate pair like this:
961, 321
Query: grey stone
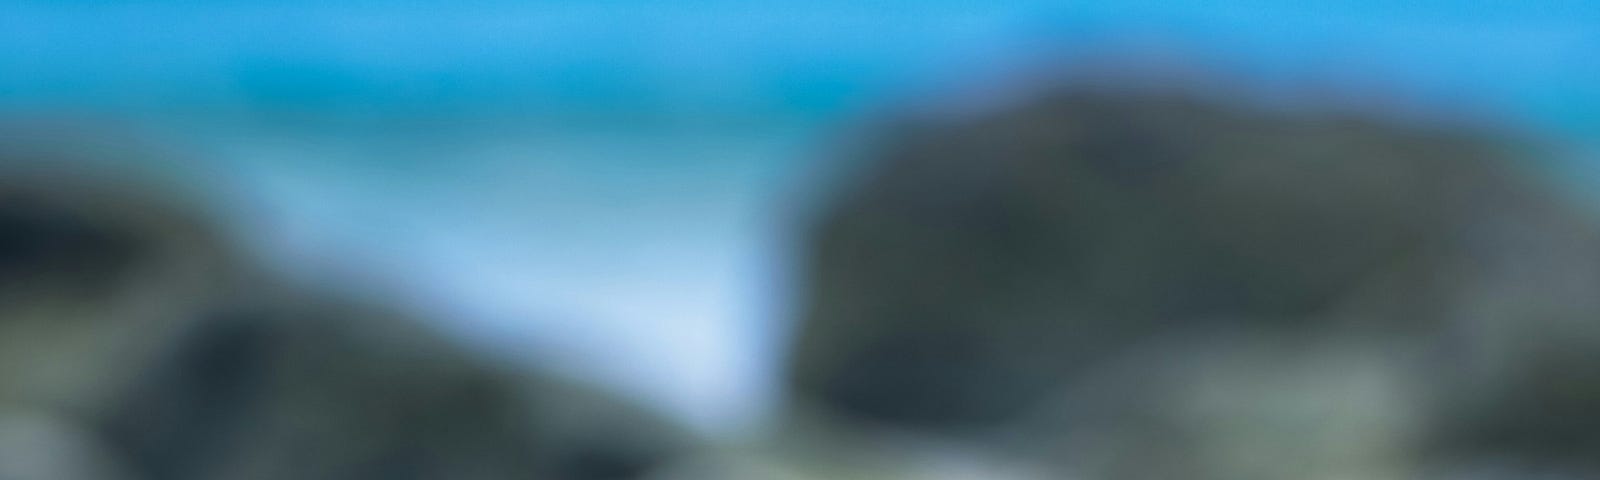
1070, 276
135, 338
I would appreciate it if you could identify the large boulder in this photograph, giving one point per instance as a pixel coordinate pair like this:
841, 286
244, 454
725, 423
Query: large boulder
1157, 285
137, 343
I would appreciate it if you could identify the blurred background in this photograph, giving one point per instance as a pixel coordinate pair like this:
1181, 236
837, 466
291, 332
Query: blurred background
619, 190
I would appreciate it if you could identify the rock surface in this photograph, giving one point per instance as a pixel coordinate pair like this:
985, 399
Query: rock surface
1136, 285
133, 333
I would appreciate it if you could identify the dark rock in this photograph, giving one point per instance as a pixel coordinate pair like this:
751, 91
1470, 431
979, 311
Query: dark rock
986, 268
135, 338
